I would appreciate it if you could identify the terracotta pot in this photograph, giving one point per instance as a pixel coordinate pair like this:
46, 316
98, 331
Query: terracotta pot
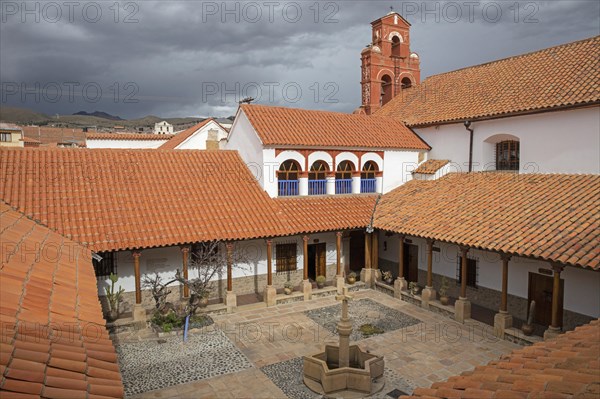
527, 329
112, 315
444, 300
287, 291
351, 280
320, 285
203, 302
389, 281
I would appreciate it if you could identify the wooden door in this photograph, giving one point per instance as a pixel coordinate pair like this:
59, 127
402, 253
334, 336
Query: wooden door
540, 291
321, 259
357, 250
411, 262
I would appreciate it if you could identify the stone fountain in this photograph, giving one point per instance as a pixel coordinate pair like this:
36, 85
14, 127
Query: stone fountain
344, 370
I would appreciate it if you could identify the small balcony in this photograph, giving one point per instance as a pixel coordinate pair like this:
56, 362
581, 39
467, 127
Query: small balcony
287, 188
343, 186
317, 187
367, 185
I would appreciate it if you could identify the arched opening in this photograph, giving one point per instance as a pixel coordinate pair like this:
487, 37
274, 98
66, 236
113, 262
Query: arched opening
507, 155
343, 177
287, 177
317, 183
395, 46
367, 177
386, 89
406, 82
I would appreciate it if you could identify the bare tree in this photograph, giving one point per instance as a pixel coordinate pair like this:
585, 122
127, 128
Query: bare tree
159, 291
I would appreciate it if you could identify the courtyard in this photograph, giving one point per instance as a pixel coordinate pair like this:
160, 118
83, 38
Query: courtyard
257, 351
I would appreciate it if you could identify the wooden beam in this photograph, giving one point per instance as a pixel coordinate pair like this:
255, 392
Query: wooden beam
429, 263
367, 250
375, 250
229, 247
269, 262
401, 257
504, 302
463, 268
185, 254
338, 251
138, 283
305, 256
555, 292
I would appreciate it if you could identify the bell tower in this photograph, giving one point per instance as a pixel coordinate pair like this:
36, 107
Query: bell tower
388, 65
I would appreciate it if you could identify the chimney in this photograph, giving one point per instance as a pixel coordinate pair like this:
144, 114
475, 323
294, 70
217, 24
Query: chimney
212, 140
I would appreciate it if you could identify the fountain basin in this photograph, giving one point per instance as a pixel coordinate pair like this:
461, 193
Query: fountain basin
322, 374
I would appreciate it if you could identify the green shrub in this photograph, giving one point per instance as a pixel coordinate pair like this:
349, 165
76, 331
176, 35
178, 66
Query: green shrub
369, 329
321, 279
167, 327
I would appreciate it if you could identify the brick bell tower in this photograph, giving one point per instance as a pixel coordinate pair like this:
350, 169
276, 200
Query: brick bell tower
388, 65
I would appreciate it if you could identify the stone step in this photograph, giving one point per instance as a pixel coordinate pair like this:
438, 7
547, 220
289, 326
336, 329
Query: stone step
252, 306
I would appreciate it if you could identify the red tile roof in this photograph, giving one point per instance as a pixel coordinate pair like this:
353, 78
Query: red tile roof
53, 135
564, 367
328, 213
557, 77
549, 217
300, 127
183, 136
128, 136
431, 166
53, 338
116, 199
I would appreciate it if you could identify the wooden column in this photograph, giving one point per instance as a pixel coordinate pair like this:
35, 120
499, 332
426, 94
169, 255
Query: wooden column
138, 283
185, 254
504, 302
368, 250
555, 292
401, 257
375, 250
269, 262
429, 263
338, 250
305, 256
463, 273
229, 247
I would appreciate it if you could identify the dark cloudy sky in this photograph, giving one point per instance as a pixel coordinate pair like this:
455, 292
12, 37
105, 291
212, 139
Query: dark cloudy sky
197, 58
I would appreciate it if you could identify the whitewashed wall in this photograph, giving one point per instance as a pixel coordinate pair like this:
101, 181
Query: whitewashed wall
197, 141
135, 144
582, 286
398, 167
244, 139
551, 142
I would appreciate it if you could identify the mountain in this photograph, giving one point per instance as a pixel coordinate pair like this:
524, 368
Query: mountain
99, 114
21, 115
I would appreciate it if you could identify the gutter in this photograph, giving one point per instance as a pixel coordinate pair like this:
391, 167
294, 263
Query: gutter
467, 126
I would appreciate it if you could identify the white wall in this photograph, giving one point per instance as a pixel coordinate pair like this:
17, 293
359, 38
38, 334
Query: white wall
135, 144
551, 142
244, 139
398, 167
197, 141
582, 286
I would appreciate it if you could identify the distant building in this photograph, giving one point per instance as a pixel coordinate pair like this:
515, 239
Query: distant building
163, 127
10, 135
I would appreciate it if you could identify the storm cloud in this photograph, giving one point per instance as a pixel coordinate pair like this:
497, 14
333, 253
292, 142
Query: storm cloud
199, 58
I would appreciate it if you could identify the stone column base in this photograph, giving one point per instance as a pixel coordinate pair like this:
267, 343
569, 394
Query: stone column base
551, 332
230, 301
427, 296
340, 283
462, 309
307, 290
502, 321
399, 285
139, 313
269, 295
368, 276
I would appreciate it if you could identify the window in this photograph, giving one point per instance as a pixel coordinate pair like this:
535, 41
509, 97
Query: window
203, 252
5, 137
471, 272
317, 178
107, 265
285, 257
343, 178
288, 174
507, 155
367, 177
406, 83
395, 46
386, 90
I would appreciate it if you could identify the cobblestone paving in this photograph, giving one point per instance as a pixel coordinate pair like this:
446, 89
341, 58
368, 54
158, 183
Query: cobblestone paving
363, 311
287, 376
152, 365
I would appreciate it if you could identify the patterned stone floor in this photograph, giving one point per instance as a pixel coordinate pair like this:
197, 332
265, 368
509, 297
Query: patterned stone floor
266, 344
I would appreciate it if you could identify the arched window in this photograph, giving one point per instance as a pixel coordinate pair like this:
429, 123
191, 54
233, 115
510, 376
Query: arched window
288, 175
386, 89
367, 177
406, 82
507, 155
395, 46
343, 177
317, 183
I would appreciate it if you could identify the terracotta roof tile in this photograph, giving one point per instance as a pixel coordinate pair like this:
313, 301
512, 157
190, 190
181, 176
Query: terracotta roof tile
561, 76
128, 136
109, 199
43, 359
328, 213
301, 127
53, 135
431, 166
549, 217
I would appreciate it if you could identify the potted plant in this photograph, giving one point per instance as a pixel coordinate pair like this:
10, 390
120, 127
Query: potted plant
351, 278
527, 328
413, 288
288, 287
321, 281
444, 291
387, 277
113, 298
